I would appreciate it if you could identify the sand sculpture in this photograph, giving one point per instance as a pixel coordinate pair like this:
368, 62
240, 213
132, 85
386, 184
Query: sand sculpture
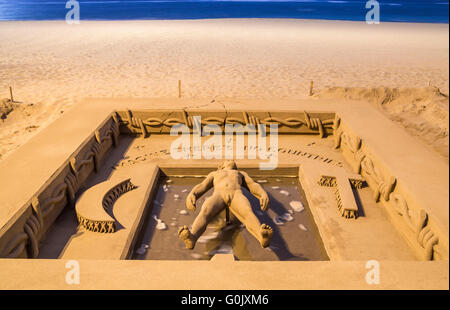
343, 190
227, 182
402, 206
411, 216
94, 205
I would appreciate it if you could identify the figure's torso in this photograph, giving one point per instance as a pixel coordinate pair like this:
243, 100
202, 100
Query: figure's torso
226, 183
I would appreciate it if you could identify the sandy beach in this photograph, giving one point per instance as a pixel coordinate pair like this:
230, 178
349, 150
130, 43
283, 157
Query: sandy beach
402, 68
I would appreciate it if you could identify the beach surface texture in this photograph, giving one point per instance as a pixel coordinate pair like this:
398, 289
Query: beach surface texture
402, 68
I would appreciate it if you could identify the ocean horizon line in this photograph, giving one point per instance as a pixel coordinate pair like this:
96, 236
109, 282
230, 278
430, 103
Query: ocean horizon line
406, 11
220, 18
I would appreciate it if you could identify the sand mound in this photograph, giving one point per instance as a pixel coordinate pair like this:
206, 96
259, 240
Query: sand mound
6, 107
423, 112
20, 121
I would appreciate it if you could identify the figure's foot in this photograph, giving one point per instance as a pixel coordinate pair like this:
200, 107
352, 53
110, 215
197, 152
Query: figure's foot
187, 237
266, 235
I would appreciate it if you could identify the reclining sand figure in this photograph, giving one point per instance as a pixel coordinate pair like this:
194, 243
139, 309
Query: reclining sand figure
227, 182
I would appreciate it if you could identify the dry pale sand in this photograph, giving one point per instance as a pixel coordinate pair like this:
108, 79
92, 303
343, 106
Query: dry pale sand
53, 66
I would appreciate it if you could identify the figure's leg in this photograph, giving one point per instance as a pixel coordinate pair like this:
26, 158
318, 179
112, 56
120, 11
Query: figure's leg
241, 208
210, 208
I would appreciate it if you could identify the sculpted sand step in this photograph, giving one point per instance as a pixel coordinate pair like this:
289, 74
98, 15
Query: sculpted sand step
95, 205
125, 213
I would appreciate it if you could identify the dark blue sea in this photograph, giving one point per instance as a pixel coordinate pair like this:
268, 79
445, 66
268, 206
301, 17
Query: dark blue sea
418, 11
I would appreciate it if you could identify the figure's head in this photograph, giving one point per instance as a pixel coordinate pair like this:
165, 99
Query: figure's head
227, 165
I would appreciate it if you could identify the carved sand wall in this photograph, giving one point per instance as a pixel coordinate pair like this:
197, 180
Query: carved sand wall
24, 230
420, 230
148, 122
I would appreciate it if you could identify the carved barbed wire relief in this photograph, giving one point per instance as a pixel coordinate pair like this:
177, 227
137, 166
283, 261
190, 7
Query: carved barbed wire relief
337, 132
314, 124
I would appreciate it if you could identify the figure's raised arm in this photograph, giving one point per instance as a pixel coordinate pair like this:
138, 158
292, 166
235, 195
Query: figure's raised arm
199, 190
256, 190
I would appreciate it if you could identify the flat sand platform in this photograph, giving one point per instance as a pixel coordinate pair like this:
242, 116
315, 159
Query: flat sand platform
228, 275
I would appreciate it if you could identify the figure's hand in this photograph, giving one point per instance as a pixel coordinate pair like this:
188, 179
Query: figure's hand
190, 202
264, 202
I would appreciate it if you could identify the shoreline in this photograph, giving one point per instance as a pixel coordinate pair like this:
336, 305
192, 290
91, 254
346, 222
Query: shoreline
229, 19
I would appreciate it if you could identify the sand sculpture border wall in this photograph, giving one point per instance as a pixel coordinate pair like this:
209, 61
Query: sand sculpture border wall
418, 228
20, 237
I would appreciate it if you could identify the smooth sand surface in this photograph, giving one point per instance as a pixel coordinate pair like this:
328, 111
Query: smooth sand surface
55, 65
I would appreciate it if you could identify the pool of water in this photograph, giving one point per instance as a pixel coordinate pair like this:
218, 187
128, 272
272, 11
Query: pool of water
295, 233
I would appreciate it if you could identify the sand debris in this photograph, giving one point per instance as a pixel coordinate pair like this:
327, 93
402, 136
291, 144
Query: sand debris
196, 255
142, 249
6, 107
286, 193
223, 249
297, 206
208, 237
423, 112
160, 225
281, 219
278, 221
287, 217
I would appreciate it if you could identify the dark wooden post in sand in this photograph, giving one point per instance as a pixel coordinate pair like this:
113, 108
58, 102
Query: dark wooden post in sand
11, 94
